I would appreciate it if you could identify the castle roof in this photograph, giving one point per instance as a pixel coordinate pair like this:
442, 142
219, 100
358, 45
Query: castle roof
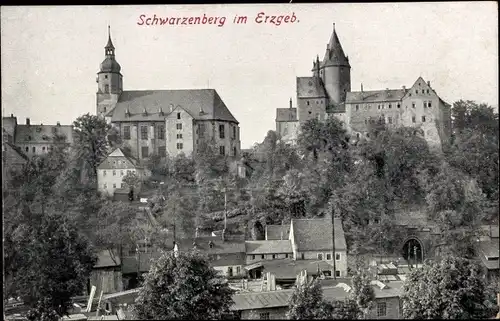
310, 87
42, 133
374, 96
201, 104
286, 114
316, 234
334, 54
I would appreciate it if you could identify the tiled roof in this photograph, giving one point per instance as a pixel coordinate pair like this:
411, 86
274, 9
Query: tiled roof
107, 258
286, 114
335, 54
42, 133
192, 100
117, 160
16, 150
375, 96
219, 247
316, 234
261, 300
490, 249
273, 232
310, 87
490, 230
289, 268
268, 247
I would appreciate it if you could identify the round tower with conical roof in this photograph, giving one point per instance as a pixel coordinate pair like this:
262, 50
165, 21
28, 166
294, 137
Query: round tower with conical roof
335, 70
109, 80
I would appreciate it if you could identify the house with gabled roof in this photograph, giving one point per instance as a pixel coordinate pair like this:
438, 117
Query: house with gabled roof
161, 122
114, 168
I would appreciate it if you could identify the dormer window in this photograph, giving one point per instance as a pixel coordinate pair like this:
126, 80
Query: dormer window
211, 244
178, 115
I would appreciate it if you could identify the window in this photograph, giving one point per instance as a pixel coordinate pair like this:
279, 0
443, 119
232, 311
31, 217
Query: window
201, 130
230, 271
302, 256
416, 91
121, 173
328, 256
221, 131
144, 132
399, 105
126, 132
308, 103
357, 135
320, 256
105, 185
234, 131
43, 148
162, 151
262, 256
390, 106
366, 121
34, 149
179, 136
429, 104
114, 185
423, 119
222, 150
389, 120
413, 105
105, 76
178, 115
237, 270
103, 173
337, 256
234, 151
145, 151
264, 316
286, 256
413, 119
378, 106
161, 131
357, 107
337, 273
114, 173
27, 149
427, 90
381, 309
274, 256
425, 104
179, 146
179, 126
253, 257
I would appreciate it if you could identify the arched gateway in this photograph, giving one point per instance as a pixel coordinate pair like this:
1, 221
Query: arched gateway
413, 250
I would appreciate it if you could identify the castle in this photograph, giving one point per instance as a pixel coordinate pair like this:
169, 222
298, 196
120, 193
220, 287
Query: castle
164, 122
328, 94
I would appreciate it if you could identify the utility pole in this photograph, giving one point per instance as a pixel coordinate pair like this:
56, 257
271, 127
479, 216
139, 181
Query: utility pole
225, 208
334, 258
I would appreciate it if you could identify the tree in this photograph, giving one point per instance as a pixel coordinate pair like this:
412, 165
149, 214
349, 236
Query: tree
132, 181
46, 257
347, 309
362, 292
91, 144
307, 302
183, 287
43, 311
454, 289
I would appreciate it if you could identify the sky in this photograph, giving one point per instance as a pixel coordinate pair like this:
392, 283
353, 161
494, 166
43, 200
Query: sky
50, 54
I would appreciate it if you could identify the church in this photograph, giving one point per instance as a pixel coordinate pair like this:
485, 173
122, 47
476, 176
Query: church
327, 93
164, 122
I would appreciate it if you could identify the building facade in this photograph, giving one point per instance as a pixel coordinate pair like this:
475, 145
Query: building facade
328, 94
113, 169
164, 122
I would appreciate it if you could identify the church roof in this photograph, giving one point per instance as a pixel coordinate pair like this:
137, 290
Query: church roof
109, 64
194, 101
310, 87
375, 96
286, 114
42, 133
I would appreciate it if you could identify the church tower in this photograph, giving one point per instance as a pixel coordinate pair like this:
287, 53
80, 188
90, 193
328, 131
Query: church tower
335, 71
109, 80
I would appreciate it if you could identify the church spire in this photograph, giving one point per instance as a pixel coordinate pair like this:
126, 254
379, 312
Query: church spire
334, 52
109, 49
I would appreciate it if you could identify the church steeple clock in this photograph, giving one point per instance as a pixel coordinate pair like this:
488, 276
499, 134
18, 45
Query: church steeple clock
109, 80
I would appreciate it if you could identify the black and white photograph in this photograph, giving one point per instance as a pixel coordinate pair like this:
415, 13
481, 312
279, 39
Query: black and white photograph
250, 161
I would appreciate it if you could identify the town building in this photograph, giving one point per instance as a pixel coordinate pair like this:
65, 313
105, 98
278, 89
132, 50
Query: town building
488, 251
164, 122
327, 93
34, 139
114, 168
13, 160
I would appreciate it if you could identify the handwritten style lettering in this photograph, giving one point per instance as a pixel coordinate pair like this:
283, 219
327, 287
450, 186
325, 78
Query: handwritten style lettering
275, 20
201, 20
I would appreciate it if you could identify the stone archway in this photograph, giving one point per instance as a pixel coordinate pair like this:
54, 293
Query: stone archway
413, 250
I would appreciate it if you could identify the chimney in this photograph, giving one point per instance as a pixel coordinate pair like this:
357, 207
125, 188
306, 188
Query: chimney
58, 124
404, 88
27, 121
290, 102
11, 115
429, 83
171, 108
361, 87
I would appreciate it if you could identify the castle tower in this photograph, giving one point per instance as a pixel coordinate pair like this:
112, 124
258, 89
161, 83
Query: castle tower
335, 70
109, 80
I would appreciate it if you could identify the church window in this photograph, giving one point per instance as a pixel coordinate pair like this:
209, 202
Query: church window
179, 126
222, 150
178, 115
144, 132
413, 119
161, 131
222, 134
106, 88
429, 104
357, 107
126, 132
423, 119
